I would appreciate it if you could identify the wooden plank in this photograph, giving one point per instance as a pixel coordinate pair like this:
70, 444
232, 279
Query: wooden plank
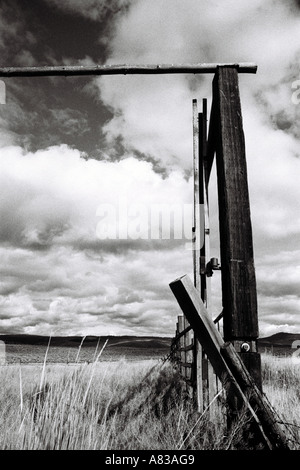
174, 345
181, 344
211, 140
196, 215
119, 69
219, 317
238, 273
198, 353
179, 334
183, 332
205, 284
186, 365
188, 353
203, 141
203, 198
189, 347
227, 364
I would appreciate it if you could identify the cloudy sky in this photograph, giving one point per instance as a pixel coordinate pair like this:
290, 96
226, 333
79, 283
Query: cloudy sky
71, 148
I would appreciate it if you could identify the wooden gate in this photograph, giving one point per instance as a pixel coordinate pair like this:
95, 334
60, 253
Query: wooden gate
236, 352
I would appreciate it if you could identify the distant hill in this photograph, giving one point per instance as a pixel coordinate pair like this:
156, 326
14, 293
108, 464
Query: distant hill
279, 343
32, 348
278, 339
75, 341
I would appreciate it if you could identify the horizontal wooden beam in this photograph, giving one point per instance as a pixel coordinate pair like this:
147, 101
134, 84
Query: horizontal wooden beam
186, 364
212, 140
190, 347
79, 70
219, 317
182, 333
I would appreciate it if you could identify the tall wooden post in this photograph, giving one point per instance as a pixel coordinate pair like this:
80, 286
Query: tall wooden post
203, 200
208, 374
239, 295
181, 345
196, 255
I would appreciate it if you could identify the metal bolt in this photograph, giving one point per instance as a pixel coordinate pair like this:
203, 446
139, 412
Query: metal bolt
214, 263
245, 347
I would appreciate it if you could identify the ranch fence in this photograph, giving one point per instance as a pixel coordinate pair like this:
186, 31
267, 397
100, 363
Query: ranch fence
203, 354
200, 350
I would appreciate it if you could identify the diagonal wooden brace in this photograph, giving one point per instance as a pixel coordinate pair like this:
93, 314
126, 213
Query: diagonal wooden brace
227, 364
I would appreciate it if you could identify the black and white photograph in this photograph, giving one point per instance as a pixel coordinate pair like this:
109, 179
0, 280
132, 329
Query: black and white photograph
150, 228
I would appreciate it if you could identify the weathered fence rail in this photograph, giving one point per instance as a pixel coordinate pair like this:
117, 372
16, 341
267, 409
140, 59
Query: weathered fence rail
120, 69
183, 351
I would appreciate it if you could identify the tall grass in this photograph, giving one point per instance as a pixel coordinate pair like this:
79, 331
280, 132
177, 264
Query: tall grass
121, 405
281, 381
124, 406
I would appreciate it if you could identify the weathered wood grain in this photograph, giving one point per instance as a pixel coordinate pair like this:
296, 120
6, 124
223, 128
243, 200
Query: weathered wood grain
237, 261
117, 69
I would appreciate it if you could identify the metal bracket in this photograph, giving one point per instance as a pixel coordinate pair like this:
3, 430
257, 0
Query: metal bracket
212, 265
245, 346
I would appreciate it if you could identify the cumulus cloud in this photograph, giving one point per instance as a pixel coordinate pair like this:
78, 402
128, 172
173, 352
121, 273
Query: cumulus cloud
152, 114
66, 275
91, 9
15, 38
55, 196
56, 268
152, 117
68, 291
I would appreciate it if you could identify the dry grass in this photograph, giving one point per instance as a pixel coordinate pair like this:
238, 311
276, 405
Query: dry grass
281, 380
124, 405
100, 406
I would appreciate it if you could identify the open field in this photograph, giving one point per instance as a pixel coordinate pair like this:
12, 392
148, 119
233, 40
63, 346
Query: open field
28, 349
127, 404
109, 405
26, 354
281, 384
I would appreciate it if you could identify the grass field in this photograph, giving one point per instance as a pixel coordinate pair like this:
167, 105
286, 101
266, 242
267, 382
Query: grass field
28, 349
281, 384
128, 405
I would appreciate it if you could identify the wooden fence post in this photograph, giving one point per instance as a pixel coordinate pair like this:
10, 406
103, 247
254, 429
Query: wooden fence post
239, 295
205, 284
175, 346
181, 345
198, 352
